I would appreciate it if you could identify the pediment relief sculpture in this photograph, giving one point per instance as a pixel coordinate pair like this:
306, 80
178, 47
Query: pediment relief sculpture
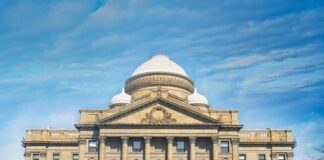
158, 115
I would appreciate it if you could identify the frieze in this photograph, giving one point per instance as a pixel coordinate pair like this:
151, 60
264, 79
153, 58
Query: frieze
158, 79
158, 115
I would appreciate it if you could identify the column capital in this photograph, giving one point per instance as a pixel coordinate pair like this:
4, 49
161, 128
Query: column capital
147, 139
124, 139
192, 139
102, 138
82, 141
235, 141
215, 139
170, 139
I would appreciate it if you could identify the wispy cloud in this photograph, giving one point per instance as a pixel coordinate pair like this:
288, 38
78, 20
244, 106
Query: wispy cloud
241, 62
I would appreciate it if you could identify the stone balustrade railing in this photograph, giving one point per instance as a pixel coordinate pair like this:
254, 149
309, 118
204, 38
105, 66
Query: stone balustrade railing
51, 135
265, 136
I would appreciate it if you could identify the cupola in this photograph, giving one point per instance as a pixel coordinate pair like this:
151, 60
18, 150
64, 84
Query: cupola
121, 99
197, 99
159, 73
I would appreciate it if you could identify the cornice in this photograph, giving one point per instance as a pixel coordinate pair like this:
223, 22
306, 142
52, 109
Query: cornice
292, 144
86, 126
42, 143
231, 127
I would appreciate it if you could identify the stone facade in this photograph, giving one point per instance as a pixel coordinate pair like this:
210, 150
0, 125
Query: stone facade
158, 124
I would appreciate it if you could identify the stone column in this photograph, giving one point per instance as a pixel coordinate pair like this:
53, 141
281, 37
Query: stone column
82, 149
147, 148
235, 147
102, 149
192, 147
124, 148
170, 148
215, 147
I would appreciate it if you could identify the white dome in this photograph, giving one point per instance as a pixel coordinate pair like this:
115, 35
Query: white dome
159, 63
121, 98
197, 98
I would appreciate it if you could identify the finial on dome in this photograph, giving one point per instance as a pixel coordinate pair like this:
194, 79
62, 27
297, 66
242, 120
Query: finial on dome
197, 98
121, 98
160, 55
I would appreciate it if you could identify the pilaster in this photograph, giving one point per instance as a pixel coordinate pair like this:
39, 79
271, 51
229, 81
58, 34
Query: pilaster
192, 147
27, 155
124, 148
43, 155
102, 148
170, 148
235, 148
290, 156
147, 141
215, 147
82, 149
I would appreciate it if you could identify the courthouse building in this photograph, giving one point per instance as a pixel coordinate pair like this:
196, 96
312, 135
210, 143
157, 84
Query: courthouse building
159, 115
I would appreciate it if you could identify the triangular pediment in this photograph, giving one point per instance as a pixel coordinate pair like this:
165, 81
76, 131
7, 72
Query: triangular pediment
158, 111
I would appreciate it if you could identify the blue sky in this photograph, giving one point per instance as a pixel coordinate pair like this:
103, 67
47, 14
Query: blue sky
264, 58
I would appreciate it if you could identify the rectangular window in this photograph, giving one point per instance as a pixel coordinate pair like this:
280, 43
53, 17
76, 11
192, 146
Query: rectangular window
93, 146
137, 146
56, 156
225, 146
36, 156
262, 157
242, 157
180, 144
75, 156
281, 157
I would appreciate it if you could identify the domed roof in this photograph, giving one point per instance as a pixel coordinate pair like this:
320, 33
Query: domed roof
159, 63
197, 98
121, 98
